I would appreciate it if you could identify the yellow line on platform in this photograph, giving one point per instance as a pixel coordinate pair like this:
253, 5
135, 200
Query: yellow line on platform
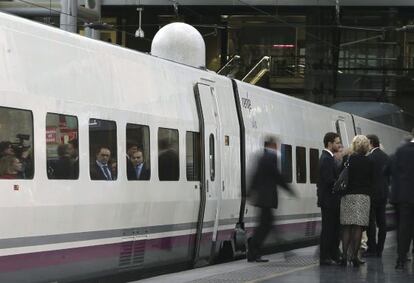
282, 273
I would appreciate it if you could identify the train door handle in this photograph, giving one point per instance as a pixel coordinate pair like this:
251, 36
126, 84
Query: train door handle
207, 185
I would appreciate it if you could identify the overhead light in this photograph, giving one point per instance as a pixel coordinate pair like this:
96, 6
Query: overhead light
283, 46
139, 32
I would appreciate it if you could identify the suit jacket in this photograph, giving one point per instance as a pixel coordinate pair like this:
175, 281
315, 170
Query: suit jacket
96, 172
381, 183
403, 173
328, 173
263, 188
132, 175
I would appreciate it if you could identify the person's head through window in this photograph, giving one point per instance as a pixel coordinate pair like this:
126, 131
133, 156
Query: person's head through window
6, 148
63, 151
103, 155
10, 167
137, 158
131, 149
73, 148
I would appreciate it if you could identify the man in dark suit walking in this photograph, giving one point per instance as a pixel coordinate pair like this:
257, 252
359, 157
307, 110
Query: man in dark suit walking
329, 202
263, 194
378, 199
403, 194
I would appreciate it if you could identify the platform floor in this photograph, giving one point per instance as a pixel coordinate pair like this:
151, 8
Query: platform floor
299, 265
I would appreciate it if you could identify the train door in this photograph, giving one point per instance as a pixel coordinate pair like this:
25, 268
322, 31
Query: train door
342, 132
210, 192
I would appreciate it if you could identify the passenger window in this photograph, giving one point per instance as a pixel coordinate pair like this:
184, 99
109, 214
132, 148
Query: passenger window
212, 158
16, 144
286, 158
314, 165
62, 146
193, 158
102, 150
300, 165
138, 152
168, 152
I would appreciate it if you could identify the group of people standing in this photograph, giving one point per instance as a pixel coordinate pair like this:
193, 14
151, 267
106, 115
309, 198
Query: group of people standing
348, 213
362, 206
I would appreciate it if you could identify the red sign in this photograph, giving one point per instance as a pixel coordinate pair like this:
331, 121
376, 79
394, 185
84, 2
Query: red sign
50, 135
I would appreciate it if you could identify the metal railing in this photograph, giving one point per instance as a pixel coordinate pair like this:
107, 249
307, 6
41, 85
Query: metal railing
257, 72
231, 66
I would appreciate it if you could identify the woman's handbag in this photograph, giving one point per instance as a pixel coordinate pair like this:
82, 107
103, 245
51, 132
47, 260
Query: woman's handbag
341, 185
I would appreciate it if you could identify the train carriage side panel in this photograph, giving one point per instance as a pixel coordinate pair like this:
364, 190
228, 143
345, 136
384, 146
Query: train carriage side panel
296, 123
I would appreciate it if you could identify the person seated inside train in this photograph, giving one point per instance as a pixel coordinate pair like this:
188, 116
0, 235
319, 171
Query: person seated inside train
137, 170
100, 168
131, 149
6, 148
11, 168
64, 166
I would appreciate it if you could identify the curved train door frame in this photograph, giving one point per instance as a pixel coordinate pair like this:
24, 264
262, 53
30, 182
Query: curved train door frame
211, 179
340, 127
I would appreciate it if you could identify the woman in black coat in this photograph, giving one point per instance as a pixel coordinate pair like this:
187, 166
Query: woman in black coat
355, 204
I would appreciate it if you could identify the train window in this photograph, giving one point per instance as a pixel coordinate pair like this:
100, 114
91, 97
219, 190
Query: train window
300, 165
193, 158
286, 158
138, 152
314, 165
62, 146
16, 144
212, 158
102, 150
168, 153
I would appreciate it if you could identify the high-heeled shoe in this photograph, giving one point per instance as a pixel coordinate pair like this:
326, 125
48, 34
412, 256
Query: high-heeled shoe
356, 262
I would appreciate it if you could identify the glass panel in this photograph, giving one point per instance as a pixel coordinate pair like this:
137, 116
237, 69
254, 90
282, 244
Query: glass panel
212, 157
193, 156
286, 156
300, 164
16, 144
102, 150
168, 152
314, 165
138, 152
62, 146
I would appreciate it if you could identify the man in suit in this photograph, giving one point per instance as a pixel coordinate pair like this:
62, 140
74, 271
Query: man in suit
263, 194
378, 199
137, 170
403, 193
100, 169
329, 202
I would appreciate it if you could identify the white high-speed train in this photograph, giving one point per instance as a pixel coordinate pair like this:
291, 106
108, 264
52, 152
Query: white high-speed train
59, 88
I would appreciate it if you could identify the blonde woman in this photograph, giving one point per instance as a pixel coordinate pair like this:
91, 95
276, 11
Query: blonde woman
355, 204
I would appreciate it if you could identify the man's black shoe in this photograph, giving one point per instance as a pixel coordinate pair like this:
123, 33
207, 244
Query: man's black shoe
258, 259
327, 262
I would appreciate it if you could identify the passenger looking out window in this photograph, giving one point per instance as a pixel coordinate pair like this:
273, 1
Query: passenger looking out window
102, 169
103, 149
168, 152
138, 152
137, 169
11, 168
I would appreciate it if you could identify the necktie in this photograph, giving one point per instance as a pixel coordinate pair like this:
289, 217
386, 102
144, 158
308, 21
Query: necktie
138, 170
107, 173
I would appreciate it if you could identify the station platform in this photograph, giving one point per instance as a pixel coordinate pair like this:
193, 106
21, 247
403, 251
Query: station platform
299, 265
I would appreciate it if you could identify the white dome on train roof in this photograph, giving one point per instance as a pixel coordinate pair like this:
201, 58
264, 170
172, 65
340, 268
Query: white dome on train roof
180, 42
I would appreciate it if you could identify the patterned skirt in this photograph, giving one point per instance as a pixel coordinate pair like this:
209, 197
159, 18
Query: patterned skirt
355, 210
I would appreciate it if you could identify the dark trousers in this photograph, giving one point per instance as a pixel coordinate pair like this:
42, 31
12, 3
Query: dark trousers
330, 233
405, 229
377, 220
260, 233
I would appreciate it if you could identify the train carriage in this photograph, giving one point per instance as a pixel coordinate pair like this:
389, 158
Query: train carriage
57, 87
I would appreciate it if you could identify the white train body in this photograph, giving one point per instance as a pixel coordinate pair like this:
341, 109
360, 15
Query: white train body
73, 229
